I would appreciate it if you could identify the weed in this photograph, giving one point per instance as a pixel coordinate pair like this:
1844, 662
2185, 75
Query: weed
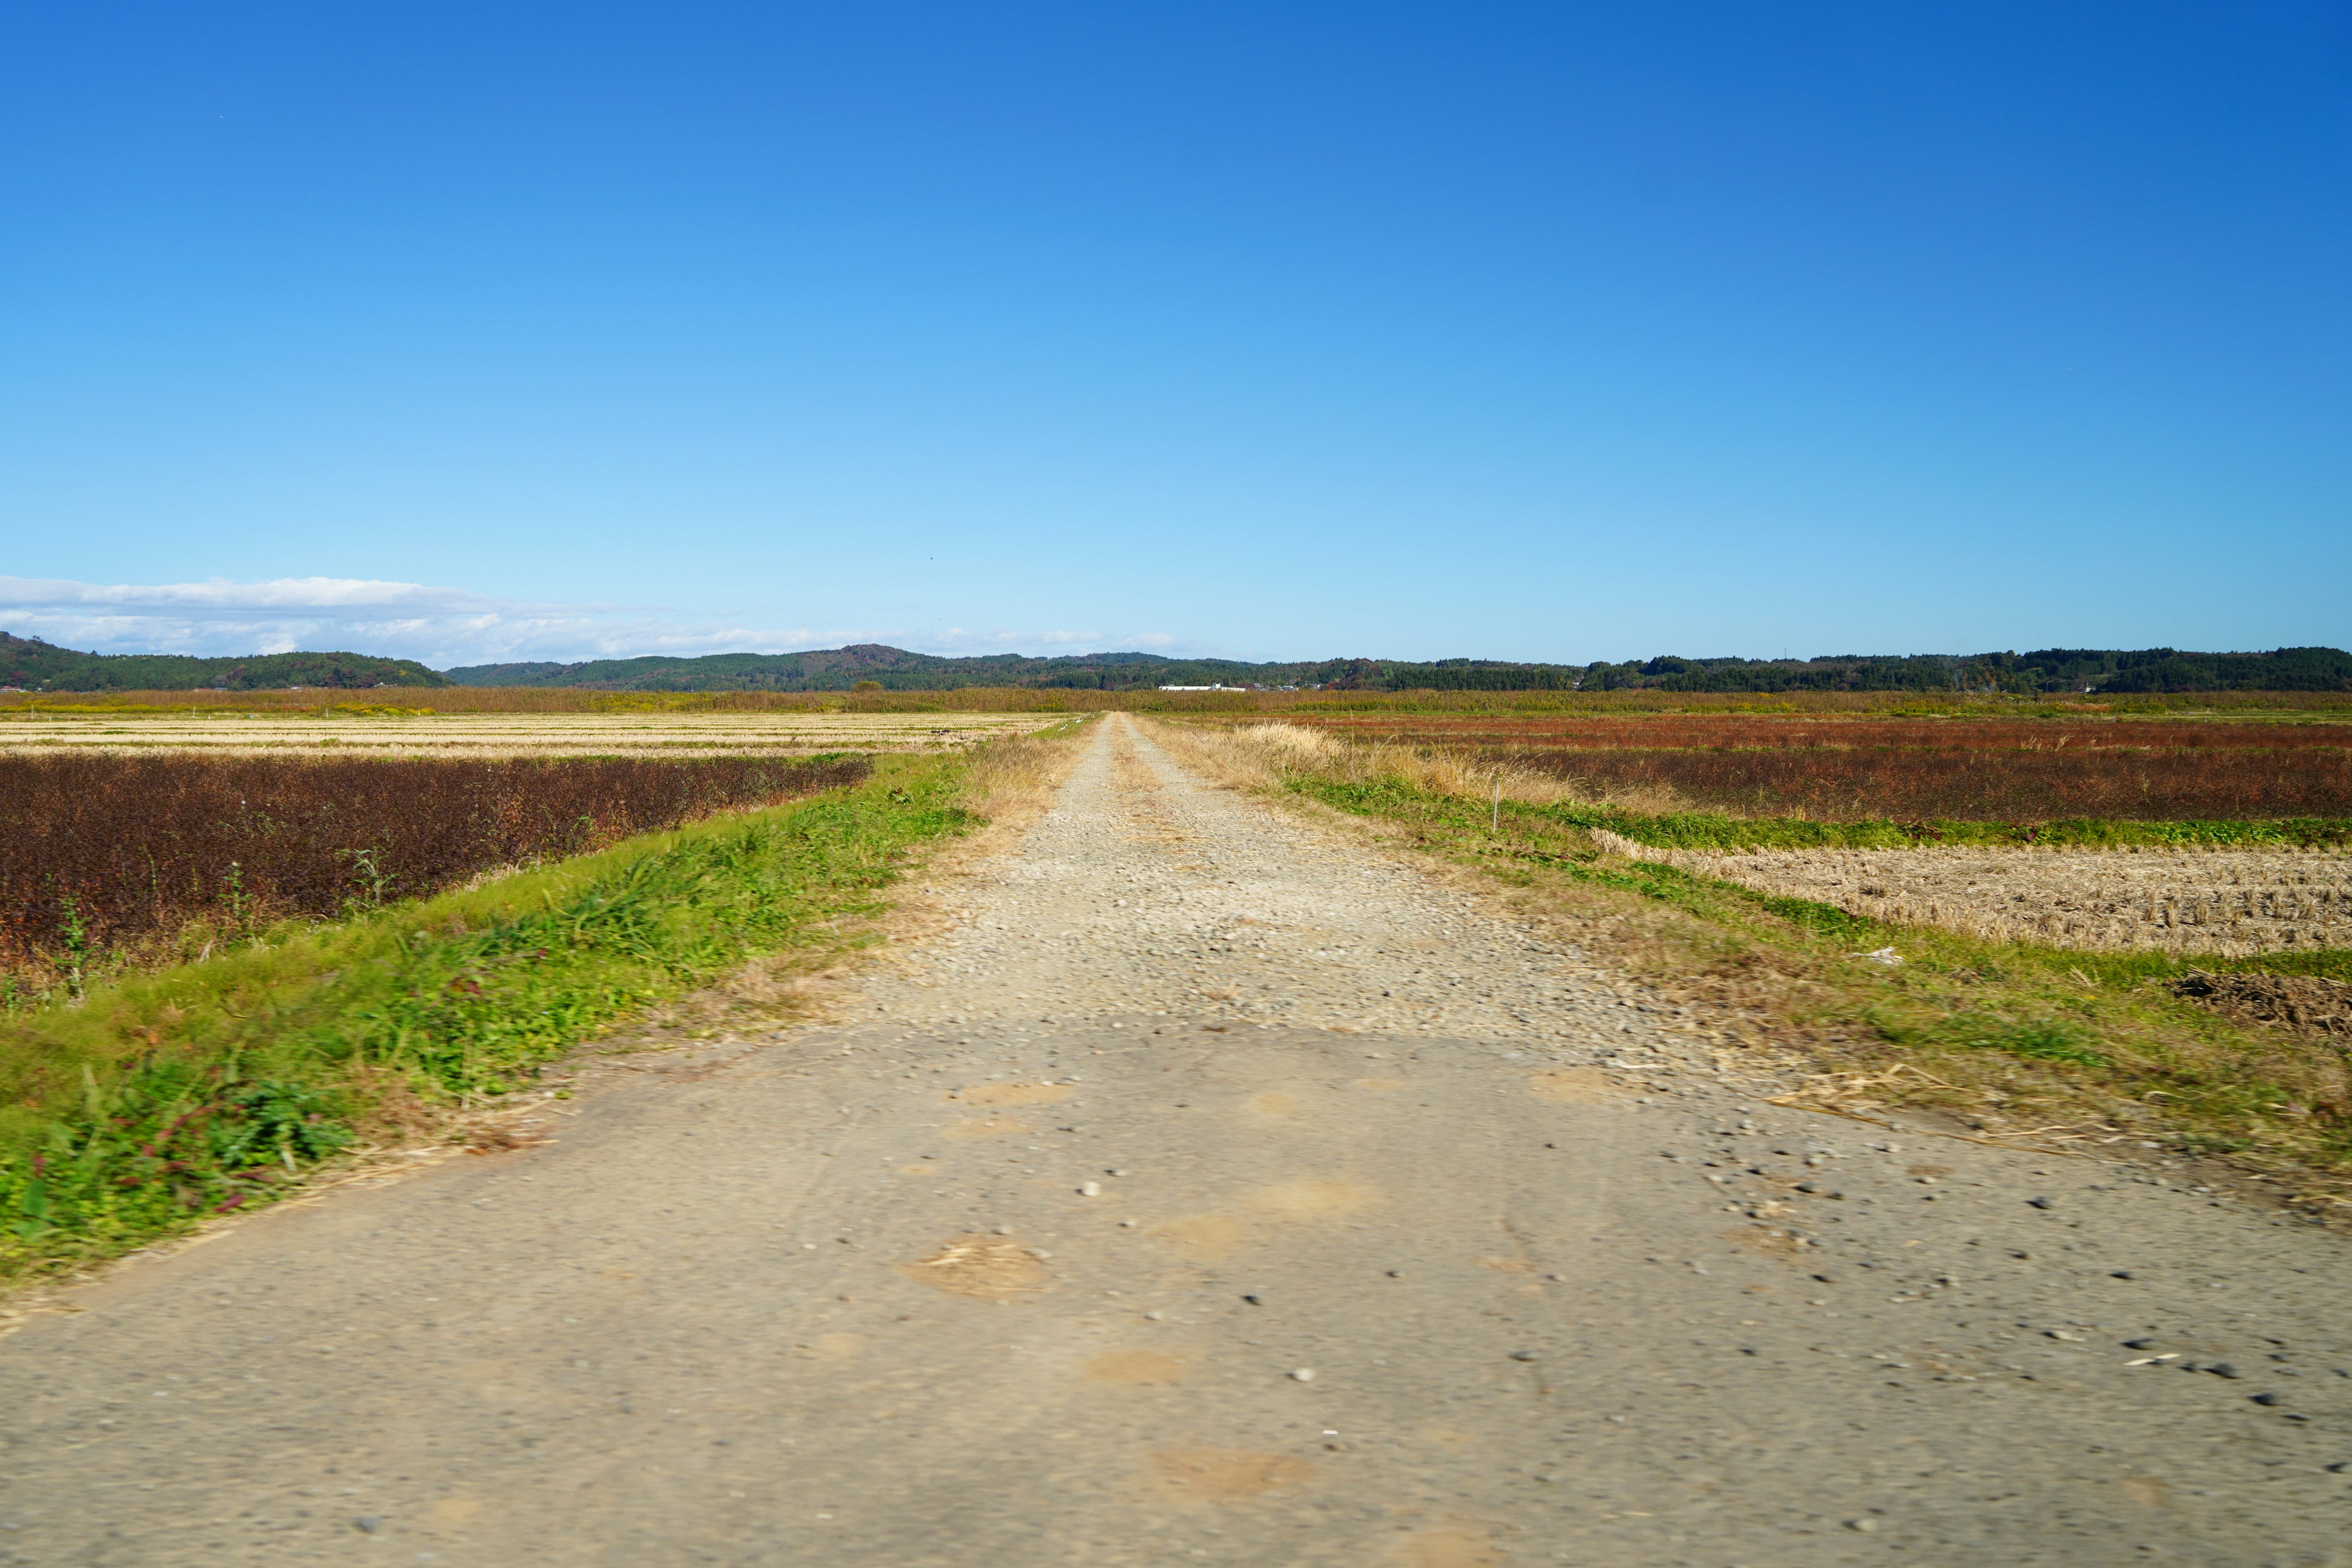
370, 882
2042, 1041
73, 936
202, 1089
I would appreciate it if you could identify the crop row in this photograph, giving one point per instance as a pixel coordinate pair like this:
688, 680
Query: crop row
2229, 902
104, 853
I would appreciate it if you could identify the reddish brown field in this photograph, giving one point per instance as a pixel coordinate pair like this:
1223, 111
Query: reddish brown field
1968, 770
1797, 734
136, 847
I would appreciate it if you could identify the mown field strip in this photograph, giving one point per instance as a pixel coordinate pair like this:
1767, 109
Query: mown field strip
2232, 902
493, 735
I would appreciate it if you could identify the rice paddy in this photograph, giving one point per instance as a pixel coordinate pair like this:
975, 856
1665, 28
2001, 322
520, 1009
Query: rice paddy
779, 731
1684, 809
2232, 903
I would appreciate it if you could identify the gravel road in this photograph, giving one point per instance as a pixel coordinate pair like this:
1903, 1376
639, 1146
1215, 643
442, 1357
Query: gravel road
1217, 1190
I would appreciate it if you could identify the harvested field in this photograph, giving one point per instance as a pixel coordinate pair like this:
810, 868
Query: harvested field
2307, 1001
1976, 770
104, 853
2226, 902
263, 732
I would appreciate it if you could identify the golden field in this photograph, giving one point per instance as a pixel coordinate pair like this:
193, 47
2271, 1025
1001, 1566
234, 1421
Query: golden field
780, 731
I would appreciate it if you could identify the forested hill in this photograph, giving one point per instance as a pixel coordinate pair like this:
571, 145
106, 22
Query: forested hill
32, 665
2046, 670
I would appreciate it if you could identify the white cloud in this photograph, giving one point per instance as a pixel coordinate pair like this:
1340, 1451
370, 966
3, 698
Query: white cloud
443, 627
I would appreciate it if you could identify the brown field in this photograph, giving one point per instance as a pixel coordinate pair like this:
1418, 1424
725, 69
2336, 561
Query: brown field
1982, 769
2229, 902
108, 856
1752, 732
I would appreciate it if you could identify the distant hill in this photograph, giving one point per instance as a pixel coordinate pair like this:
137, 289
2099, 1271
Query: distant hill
36, 666
33, 664
895, 669
836, 669
2045, 670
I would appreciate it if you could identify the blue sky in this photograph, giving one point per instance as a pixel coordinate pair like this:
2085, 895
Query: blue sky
1266, 331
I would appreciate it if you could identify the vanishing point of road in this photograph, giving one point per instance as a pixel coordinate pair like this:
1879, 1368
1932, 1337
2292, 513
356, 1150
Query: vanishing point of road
1219, 1188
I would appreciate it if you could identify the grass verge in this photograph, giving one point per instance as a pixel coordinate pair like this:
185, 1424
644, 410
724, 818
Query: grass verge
191, 1092
2007, 1037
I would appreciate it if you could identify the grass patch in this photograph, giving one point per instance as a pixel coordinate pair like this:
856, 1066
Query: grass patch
210, 1087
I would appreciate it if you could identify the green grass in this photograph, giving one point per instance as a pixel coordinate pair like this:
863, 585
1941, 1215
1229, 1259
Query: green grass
2008, 1030
208, 1088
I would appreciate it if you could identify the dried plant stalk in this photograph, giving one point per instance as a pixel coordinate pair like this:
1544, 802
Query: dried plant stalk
2175, 900
100, 852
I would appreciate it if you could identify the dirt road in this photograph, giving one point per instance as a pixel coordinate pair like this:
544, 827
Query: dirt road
1219, 1192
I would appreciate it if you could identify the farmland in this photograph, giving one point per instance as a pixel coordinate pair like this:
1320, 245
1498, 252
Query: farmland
220, 968
1231, 705
106, 859
1987, 770
2078, 979
374, 729
2228, 903
133, 833
2226, 839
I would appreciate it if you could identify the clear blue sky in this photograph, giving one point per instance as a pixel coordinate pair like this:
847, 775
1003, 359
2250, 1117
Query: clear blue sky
1546, 331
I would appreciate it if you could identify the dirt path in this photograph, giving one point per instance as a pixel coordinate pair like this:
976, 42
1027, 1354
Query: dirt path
1097, 1240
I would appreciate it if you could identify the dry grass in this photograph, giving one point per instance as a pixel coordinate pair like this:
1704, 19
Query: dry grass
393, 701
1013, 779
986, 1268
262, 732
2232, 902
2307, 1001
1258, 753
1979, 770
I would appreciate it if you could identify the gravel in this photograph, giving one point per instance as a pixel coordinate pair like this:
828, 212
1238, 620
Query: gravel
1249, 921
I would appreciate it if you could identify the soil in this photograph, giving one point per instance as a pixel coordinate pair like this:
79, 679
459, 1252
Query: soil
1218, 1189
2303, 1002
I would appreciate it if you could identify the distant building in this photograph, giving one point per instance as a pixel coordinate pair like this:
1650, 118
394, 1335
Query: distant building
1204, 688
